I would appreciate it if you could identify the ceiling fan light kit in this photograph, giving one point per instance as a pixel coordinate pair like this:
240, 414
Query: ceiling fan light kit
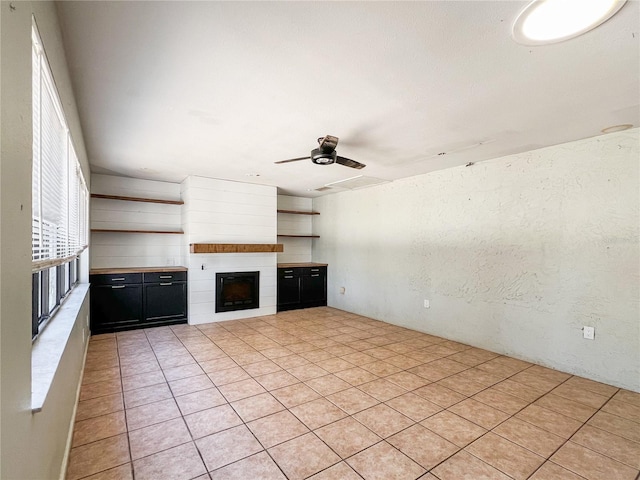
323, 158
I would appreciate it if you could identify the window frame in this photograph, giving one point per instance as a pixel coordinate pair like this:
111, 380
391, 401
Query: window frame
56, 252
66, 279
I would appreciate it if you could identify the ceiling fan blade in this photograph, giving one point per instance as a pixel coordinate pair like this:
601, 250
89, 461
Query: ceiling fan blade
347, 162
328, 143
293, 160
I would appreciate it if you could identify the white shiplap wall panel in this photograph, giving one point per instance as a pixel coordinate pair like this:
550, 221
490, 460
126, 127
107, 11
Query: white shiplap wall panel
166, 217
229, 221
132, 224
220, 211
216, 233
288, 202
124, 214
231, 200
295, 249
213, 207
135, 249
291, 224
131, 261
107, 205
135, 240
134, 187
226, 261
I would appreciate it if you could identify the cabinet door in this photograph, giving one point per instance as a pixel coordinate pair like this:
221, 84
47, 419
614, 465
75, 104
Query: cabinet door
165, 301
314, 289
115, 307
288, 290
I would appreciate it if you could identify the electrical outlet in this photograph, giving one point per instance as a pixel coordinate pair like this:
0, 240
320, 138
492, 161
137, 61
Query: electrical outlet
426, 303
342, 290
588, 332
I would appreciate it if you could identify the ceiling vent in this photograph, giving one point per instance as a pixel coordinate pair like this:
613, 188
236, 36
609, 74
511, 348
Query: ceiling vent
359, 181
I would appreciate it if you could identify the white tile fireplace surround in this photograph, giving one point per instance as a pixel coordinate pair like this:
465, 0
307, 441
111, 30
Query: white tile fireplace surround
219, 211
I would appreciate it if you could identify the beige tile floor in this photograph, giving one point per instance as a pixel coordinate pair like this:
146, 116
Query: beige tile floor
325, 394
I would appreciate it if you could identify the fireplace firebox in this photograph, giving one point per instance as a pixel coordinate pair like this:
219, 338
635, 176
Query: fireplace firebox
237, 291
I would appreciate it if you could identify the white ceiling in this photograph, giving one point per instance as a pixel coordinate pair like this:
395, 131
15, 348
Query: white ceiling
224, 89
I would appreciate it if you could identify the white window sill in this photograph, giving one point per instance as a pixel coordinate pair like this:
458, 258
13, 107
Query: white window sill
48, 348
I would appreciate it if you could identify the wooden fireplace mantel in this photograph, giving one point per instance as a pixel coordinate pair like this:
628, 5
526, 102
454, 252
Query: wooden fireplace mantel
236, 247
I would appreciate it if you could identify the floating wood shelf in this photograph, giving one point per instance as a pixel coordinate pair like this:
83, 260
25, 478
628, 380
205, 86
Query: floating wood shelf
109, 230
297, 212
137, 199
236, 247
299, 236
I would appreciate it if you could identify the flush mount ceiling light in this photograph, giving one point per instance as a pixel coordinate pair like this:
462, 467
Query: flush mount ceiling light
552, 21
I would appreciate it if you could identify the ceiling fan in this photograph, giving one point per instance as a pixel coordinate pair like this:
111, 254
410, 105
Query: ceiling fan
325, 154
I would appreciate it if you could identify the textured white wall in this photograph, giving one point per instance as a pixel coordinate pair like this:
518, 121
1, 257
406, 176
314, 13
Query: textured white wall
135, 249
295, 249
219, 211
515, 254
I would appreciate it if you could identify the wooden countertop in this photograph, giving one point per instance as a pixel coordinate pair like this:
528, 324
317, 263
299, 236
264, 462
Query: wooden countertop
108, 271
302, 264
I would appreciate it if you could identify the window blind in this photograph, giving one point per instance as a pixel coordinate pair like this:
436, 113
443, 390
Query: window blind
59, 192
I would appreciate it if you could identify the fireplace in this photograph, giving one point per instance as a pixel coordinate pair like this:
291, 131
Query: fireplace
237, 291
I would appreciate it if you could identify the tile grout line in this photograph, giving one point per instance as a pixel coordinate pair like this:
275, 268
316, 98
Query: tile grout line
124, 406
446, 409
310, 430
510, 416
180, 410
266, 450
383, 403
243, 423
573, 434
405, 391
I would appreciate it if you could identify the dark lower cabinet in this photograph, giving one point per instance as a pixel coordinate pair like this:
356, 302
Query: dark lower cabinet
165, 301
288, 288
137, 300
313, 288
302, 287
115, 307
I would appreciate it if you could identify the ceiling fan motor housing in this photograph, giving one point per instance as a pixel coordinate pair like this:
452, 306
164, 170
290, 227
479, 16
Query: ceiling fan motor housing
323, 158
